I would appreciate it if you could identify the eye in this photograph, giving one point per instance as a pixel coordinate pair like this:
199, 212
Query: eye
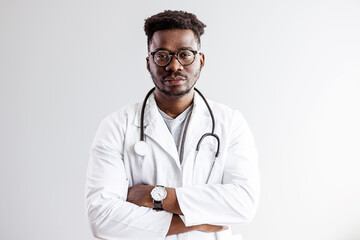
161, 55
185, 54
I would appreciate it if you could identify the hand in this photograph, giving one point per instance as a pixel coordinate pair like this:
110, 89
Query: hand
177, 226
140, 195
212, 228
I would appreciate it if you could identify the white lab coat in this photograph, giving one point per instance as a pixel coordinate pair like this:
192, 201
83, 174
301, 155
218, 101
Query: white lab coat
230, 197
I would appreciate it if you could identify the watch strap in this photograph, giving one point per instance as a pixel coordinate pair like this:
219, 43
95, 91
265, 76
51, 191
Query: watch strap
158, 205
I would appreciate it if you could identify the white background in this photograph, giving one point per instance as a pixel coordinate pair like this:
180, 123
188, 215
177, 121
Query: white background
291, 67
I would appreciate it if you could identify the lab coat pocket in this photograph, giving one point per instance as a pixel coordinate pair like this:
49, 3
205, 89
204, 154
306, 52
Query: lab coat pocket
206, 169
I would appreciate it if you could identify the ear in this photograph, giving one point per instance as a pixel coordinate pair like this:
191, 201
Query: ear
202, 60
147, 64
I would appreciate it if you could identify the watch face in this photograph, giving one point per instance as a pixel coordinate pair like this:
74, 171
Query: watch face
158, 193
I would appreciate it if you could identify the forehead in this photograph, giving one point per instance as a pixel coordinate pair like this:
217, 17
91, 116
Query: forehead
173, 40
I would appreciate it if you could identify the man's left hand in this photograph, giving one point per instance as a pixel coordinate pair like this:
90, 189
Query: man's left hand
140, 195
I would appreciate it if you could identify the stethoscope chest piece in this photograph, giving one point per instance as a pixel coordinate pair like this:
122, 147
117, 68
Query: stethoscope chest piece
141, 148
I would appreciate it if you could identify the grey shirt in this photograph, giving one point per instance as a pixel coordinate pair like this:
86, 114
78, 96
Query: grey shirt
177, 127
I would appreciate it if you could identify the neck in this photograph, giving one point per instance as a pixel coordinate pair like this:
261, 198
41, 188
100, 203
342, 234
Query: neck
173, 106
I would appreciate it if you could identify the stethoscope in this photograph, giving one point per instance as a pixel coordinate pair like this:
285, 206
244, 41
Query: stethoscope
142, 148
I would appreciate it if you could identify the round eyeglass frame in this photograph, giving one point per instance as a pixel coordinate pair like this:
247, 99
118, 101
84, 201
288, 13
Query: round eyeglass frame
176, 54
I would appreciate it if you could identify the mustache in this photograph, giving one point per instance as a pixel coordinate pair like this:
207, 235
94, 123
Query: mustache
176, 74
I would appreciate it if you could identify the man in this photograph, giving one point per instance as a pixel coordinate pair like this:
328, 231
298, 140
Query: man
172, 187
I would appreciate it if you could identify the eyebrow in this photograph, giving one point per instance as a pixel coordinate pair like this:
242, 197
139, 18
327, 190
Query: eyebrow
183, 48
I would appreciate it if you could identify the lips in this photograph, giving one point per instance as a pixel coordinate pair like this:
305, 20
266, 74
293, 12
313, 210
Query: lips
174, 76
174, 79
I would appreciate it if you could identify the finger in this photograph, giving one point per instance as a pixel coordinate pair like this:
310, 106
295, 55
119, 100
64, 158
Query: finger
225, 228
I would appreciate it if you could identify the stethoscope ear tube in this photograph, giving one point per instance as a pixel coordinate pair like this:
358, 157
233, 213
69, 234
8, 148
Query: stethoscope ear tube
143, 113
210, 111
141, 148
212, 129
212, 135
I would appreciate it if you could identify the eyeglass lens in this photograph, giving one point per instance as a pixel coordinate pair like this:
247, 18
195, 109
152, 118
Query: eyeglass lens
185, 57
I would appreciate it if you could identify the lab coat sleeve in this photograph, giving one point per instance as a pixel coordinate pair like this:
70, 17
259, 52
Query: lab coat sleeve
235, 200
110, 215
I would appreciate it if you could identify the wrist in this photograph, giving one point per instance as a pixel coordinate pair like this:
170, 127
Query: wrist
158, 195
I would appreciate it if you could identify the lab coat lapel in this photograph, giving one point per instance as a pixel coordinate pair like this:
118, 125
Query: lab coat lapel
200, 123
156, 129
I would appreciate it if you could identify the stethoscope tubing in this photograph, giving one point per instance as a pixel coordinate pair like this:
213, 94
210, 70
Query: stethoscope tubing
212, 134
210, 111
143, 113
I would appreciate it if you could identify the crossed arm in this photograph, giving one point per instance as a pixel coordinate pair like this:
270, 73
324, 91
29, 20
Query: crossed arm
140, 195
113, 208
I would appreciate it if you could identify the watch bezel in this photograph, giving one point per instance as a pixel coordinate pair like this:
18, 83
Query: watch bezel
157, 189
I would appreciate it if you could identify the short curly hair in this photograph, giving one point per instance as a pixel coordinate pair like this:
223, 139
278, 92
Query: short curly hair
169, 19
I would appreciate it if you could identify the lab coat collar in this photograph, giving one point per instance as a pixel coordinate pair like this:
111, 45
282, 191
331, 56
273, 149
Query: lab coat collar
156, 129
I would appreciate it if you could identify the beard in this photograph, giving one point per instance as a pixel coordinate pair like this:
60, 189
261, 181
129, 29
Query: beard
189, 85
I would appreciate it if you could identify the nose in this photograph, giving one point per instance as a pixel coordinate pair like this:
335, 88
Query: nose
174, 65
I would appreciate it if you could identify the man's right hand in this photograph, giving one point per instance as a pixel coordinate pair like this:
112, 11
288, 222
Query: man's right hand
177, 226
212, 228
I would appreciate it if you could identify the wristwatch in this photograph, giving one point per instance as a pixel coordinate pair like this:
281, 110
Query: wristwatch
158, 194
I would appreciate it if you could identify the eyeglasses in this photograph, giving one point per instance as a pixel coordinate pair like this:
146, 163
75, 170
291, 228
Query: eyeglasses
162, 57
